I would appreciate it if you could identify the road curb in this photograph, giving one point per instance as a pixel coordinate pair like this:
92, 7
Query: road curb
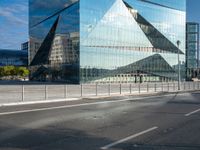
40, 102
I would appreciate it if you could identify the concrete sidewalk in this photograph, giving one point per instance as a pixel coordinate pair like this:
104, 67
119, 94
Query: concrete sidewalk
93, 98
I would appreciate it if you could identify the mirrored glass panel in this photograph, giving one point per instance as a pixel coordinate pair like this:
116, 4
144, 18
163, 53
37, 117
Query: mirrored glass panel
54, 40
130, 39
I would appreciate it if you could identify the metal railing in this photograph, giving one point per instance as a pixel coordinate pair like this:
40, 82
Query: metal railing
21, 93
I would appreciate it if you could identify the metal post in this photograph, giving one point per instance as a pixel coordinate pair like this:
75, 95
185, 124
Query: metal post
120, 88
109, 89
46, 92
22, 93
65, 90
139, 88
130, 89
155, 87
147, 88
162, 87
81, 90
96, 89
193, 85
168, 86
189, 85
174, 86
179, 72
184, 86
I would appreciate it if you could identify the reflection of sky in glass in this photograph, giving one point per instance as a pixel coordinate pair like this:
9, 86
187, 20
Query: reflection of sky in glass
109, 23
169, 22
120, 29
176, 4
62, 42
68, 22
40, 31
106, 25
45, 8
109, 58
90, 15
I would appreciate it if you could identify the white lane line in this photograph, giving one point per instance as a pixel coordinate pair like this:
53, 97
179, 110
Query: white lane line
79, 105
193, 112
128, 138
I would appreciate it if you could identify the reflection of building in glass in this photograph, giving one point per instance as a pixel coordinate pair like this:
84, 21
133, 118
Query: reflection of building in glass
106, 41
34, 46
62, 51
58, 49
25, 46
13, 58
192, 50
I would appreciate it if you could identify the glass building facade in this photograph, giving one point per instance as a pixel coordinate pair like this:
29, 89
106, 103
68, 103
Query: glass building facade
13, 58
82, 41
192, 49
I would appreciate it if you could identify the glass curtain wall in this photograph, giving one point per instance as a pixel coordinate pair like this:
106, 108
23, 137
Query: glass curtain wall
192, 50
106, 40
54, 40
118, 39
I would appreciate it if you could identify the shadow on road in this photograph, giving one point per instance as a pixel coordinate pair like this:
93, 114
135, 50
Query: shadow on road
48, 138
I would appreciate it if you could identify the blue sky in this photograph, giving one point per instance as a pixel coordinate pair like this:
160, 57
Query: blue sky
193, 12
14, 21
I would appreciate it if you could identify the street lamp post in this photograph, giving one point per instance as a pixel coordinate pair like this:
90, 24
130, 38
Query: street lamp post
179, 71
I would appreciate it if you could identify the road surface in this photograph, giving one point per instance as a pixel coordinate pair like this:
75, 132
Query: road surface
164, 122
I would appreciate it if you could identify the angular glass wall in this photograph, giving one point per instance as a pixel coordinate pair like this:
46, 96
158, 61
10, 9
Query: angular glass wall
118, 39
54, 40
106, 40
192, 50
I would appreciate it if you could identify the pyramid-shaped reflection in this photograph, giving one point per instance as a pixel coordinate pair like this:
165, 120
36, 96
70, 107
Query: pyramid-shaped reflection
157, 39
117, 28
148, 65
43, 53
151, 66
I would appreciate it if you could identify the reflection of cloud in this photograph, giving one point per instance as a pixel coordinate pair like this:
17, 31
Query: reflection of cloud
41, 11
70, 2
48, 6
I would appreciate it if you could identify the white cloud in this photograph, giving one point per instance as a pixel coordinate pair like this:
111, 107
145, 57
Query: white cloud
14, 13
14, 24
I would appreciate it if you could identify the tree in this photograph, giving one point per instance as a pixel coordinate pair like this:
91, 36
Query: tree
2, 72
22, 71
9, 70
13, 71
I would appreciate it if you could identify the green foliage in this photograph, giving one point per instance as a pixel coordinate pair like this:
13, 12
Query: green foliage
22, 71
9, 71
13, 71
2, 72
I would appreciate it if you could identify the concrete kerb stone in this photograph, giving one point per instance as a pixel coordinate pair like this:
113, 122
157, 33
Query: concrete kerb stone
40, 102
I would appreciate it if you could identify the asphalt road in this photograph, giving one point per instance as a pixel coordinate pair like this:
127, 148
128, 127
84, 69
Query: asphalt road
125, 123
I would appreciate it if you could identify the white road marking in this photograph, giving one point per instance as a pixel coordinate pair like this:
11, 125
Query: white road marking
128, 138
193, 112
79, 105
